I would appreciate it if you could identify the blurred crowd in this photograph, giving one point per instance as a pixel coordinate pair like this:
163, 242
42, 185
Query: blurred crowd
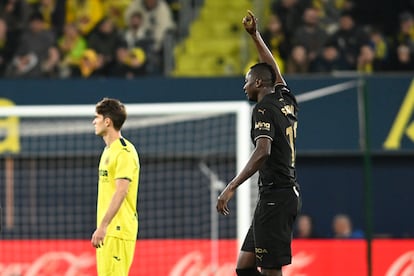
320, 36
125, 38
342, 228
83, 38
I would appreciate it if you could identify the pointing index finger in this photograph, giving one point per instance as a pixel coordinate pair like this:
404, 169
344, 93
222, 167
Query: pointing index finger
250, 13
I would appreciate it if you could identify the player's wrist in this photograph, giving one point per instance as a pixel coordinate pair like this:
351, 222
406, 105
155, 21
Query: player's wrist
254, 34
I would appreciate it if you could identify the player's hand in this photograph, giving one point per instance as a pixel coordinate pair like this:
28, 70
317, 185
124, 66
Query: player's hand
250, 22
223, 199
98, 237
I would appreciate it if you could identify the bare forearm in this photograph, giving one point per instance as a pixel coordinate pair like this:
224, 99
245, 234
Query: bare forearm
113, 208
256, 160
265, 55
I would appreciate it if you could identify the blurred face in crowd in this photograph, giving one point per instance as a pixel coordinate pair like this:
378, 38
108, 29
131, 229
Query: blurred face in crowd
311, 17
403, 53
367, 53
37, 25
342, 226
46, 2
3, 29
135, 21
289, 3
304, 226
107, 26
274, 25
330, 53
346, 22
71, 31
150, 4
406, 26
299, 54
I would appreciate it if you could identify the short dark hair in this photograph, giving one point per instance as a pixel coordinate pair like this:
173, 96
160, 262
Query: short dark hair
112, 109
265, 72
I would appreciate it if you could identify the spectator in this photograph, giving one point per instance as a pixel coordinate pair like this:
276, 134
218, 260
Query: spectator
329, 60
342, 228
297, 62
310, 34
380, 46
367, 62
133, 40
86, 14
104, 42
88, 66
7, 47
290, 14
71, 46
348, 39
405, 34
402, 60
135, 33
115, 10
329, 12
305, 228
131, 63
276, 40
157, 19
37, 55
16, 14
53, 13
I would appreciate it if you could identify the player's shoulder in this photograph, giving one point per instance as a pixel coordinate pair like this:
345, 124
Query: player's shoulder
288, 97
125, 145
271, 101
280, 87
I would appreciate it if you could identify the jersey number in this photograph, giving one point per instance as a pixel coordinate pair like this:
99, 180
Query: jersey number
291, 134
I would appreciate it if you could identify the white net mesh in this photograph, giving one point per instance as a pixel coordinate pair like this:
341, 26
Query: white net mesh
51, 180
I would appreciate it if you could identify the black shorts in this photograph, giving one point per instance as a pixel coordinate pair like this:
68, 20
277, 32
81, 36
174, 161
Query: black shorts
270, 234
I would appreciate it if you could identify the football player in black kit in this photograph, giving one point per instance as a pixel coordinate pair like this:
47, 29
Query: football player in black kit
267, 246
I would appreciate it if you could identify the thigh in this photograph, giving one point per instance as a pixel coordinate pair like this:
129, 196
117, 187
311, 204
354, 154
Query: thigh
247, 258
115, 257
272, 228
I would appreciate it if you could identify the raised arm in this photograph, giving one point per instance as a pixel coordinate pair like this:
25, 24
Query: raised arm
265, 55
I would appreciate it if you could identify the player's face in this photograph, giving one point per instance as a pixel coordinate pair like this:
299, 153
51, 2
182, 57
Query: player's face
250, 87
99, 123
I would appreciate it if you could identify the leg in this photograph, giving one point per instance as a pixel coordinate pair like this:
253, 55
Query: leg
246, 259
272, 272
246, 264
273, 230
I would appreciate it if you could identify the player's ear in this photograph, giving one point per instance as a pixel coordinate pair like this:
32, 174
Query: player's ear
107, 121
258, 82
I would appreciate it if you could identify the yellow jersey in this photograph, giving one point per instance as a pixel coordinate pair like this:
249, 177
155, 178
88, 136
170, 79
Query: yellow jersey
119, 160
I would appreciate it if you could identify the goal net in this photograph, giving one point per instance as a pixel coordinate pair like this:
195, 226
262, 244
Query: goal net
188, 152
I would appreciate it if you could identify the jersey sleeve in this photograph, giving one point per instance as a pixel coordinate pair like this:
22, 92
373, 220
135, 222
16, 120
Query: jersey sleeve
125, 165
263, 124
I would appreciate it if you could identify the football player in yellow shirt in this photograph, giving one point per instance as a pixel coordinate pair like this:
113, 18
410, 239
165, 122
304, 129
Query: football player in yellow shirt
117, 218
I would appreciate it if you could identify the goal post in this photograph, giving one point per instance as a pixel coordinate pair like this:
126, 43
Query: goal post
161, 122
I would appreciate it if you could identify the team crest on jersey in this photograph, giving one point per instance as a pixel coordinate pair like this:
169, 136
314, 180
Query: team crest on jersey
103, 173
106, 161
262, 126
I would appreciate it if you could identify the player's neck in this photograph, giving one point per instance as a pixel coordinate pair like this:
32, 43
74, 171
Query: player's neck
111, 136
262, 94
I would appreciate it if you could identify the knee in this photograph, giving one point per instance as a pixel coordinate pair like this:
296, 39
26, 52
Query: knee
247, 271
272, 272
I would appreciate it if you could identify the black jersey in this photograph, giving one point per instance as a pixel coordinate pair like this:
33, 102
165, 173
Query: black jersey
275, 118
